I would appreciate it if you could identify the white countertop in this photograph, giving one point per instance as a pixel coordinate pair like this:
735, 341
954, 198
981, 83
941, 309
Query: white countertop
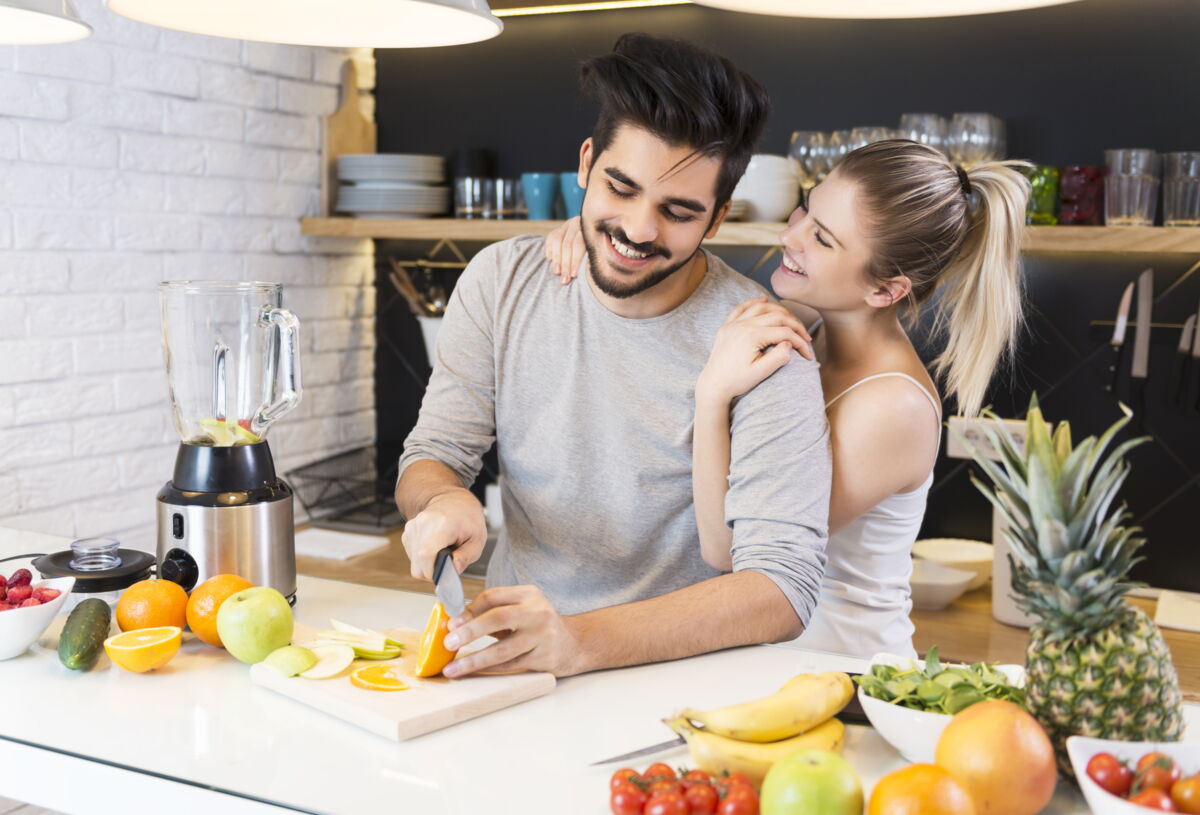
200, 721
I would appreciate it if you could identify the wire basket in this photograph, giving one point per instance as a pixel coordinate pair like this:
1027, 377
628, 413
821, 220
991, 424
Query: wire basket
346, 491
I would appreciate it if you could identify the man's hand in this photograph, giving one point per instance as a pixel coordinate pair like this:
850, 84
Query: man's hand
532, 635
452, 518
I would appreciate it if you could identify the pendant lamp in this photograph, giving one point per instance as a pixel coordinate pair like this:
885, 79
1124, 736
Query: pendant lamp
37, 22
331, 23
877, 9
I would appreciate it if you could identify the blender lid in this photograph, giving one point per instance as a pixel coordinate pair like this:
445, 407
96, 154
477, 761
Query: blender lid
135, 566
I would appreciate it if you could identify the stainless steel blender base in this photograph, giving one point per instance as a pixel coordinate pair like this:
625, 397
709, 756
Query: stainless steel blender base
255, 541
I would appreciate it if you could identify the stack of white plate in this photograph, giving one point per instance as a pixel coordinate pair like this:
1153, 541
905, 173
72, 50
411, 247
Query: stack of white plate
392, 185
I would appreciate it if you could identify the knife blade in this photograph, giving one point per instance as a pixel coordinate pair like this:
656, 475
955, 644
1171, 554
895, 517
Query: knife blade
1117, 343
852, 713
1139, 370
1179, 376
448, 584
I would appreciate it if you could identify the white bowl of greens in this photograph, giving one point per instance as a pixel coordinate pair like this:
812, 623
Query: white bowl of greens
910, 703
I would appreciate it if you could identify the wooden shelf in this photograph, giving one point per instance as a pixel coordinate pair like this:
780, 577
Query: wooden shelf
1040, 239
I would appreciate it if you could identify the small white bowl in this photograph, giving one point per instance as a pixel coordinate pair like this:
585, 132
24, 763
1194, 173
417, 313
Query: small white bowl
935, 586
956, 553
1102, 802
21, 627
914, 733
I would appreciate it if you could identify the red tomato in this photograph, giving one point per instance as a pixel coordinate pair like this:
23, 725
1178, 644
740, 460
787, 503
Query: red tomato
657, 771
698, 776
739, 778
702, 799
1153, 799
663, 787
1162, 762
739, 801
1110, 773
670, 803
1185, 794
627, 799
1155, 777
622, 776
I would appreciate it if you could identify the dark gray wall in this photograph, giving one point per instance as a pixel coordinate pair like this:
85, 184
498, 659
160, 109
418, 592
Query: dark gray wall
1070, 81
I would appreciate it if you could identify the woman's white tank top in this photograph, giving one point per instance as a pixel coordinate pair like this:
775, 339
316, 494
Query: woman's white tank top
865, 596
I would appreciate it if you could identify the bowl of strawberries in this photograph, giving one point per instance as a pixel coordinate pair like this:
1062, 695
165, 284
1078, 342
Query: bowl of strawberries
27, 607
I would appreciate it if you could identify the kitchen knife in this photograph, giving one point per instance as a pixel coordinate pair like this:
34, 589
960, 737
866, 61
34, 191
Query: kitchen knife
447, 584
1117, 343
852, 713
1179, 376
1139, 370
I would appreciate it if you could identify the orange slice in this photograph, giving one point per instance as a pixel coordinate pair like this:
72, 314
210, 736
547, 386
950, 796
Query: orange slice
144, 649
377, 677
433, 656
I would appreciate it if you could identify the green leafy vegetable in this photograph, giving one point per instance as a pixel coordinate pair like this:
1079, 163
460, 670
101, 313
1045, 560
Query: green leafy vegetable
937, 688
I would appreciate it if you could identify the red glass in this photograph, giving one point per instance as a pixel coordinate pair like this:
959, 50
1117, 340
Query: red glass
1081, 195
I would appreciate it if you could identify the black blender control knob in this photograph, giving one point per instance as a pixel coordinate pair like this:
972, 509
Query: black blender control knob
179, 567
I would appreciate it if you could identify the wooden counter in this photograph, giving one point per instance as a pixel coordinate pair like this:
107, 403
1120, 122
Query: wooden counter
965, 631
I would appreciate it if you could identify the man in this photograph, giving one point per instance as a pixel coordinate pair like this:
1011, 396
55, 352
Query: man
588, 392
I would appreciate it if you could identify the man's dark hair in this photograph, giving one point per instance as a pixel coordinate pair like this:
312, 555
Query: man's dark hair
682, 94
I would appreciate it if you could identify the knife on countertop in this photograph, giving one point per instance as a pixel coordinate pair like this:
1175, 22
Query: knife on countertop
1117, 343
1139, 370
448, 584
1183, 353
852, 713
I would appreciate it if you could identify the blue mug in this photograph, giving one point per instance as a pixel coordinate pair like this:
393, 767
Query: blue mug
540, 191
572, 193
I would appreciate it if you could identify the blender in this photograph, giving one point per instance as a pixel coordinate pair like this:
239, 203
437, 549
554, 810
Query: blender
233, 369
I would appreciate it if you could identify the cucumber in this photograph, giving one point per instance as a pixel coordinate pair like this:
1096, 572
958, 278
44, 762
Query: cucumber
83, 634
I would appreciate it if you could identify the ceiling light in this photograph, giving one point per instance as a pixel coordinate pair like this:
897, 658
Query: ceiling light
600, 5
879, 9
36, 22
340, 24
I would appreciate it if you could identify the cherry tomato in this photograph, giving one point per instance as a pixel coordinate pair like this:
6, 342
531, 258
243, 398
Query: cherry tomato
1110, 773
658, 771
1185, 794
1155, 777
740, 800
1159, 761
698, 776
622, 776
734, 779
702, 799
627, 799
670, 803
1153, 799
664, 786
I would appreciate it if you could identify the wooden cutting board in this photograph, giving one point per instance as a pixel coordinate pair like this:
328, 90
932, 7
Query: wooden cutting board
428, 705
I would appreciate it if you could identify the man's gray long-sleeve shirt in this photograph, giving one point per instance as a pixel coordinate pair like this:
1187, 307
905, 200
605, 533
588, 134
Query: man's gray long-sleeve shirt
593, 414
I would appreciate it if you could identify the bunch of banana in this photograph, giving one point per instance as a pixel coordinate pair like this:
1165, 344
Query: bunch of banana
748, 738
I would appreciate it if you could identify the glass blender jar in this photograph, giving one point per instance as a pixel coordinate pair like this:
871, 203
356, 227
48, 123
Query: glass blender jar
233, 369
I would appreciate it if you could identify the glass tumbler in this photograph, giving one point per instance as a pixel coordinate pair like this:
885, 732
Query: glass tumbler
1043, 196
1181, 189
1081, 195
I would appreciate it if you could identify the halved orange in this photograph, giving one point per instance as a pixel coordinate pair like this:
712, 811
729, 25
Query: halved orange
145, 648
377, 677
433, 655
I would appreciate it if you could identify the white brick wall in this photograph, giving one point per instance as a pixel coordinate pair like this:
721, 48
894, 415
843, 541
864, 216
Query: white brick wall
142, 155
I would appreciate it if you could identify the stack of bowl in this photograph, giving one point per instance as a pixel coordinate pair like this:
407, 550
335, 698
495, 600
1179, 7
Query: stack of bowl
399, 185
770, 188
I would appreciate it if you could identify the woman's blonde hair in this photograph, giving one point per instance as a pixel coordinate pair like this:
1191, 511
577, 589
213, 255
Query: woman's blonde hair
953, 233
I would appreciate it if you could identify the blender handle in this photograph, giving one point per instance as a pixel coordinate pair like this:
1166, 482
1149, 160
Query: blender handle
287, 386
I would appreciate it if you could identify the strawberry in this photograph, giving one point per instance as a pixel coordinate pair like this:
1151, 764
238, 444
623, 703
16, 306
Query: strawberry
21, 577
45, 595
3, 581
18, 594
32, 601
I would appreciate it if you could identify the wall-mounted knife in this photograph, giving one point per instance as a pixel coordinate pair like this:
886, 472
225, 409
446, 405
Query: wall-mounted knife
1117, 343
1183, 353
1139, 370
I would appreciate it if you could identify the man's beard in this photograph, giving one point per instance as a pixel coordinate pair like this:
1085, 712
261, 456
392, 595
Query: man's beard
620, 290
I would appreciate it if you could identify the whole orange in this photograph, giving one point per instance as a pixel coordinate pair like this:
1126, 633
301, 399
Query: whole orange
206, 599
1002, 755
152, 603
920, 789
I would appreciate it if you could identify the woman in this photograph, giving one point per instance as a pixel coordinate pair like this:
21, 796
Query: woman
892, 226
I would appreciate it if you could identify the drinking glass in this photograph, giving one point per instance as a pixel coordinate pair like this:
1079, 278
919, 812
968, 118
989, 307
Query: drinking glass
924, 128
975, 138
505, 202
1181, 189
469, 194
1043, 195
1131, 187
1081, 195
808, 149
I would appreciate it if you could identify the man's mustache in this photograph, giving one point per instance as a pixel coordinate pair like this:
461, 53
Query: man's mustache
648, 248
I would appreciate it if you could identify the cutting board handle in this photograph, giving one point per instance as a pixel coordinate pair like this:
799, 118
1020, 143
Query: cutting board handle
345, 131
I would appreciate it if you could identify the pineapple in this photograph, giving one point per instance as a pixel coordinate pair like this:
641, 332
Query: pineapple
1096, 665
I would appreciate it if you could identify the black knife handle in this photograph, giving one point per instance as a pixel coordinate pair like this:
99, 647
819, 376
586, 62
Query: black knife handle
440, 562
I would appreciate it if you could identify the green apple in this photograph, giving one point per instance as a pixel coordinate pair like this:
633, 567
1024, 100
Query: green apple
254, 622
812, 782
290, 660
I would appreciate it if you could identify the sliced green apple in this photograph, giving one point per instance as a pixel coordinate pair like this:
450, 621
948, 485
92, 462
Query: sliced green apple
331, 661
291, 660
